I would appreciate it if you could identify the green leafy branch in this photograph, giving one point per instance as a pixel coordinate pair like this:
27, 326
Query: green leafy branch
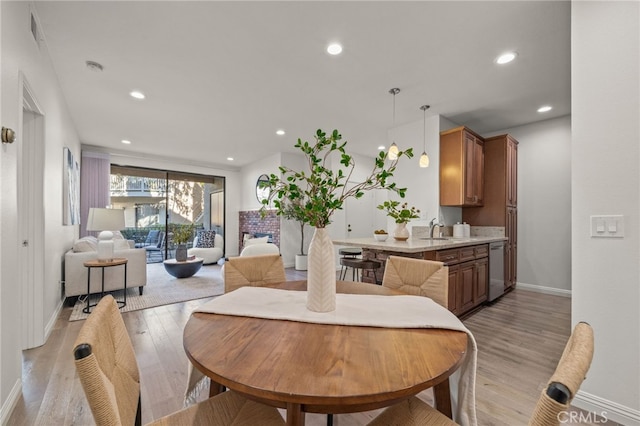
316, 194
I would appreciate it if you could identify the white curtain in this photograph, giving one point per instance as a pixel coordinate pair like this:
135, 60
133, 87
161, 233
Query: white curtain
95, 170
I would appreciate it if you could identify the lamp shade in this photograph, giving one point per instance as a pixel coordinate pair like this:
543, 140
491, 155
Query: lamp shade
105, 219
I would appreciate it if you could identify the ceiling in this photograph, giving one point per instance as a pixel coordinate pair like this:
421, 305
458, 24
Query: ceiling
221, 77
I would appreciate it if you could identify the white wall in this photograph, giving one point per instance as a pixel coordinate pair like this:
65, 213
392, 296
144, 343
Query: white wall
249, 176
605, 180
21, 54
544, 204
423, 188
4, 408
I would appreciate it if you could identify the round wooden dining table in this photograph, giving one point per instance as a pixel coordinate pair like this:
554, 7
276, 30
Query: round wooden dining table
323, 368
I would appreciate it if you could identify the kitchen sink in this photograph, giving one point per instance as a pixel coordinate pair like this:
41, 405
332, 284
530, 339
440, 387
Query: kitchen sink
436, 238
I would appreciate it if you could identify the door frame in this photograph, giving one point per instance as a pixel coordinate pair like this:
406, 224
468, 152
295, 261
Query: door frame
30, 179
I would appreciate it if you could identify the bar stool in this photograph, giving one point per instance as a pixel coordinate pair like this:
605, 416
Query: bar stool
350, 253
357, 265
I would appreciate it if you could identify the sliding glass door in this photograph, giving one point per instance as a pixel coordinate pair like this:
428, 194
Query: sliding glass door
161, 205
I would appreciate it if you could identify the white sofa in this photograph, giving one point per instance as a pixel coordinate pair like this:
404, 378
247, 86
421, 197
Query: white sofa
75, 273
208, 254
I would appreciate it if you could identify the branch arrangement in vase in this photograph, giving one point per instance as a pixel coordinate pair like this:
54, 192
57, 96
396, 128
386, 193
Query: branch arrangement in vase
315, 194
401, 213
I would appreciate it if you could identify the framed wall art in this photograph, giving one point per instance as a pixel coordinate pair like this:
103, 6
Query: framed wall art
71, 189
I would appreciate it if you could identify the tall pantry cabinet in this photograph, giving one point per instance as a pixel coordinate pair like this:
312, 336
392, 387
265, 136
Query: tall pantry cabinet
500, 198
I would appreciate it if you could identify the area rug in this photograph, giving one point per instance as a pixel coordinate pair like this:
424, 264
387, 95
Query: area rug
162, 289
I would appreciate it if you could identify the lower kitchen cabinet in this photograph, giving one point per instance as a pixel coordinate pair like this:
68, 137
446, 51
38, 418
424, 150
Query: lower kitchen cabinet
468, 279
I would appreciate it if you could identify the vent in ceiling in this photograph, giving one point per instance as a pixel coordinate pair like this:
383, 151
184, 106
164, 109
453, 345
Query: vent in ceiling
35, 29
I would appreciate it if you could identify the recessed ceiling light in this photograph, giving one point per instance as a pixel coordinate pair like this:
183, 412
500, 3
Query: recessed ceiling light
280, 132
229, 158
381, 148
136, 94
334, 49
94, 66
545, 108
505, 58
126, 142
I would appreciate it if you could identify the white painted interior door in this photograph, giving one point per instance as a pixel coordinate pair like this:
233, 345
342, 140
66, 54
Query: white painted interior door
362, 215
31, 220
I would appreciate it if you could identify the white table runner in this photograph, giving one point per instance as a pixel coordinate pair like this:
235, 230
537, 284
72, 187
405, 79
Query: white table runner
359, 310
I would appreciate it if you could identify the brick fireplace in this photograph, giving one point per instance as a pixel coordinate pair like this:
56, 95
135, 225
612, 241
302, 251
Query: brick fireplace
252, 223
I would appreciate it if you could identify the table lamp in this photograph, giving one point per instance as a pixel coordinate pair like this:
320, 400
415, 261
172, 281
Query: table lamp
106, 221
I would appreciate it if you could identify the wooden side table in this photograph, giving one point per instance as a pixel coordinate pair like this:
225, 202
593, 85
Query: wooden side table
89, 264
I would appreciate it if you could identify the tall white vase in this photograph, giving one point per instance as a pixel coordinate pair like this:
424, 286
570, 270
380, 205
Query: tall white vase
321, 273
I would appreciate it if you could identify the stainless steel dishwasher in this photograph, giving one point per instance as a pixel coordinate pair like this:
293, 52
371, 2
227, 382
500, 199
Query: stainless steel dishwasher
496, 270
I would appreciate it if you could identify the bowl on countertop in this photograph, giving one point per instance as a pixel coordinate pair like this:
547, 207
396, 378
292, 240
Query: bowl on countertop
381, 237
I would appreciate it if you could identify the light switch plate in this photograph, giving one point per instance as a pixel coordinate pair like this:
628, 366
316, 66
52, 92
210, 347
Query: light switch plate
607, 226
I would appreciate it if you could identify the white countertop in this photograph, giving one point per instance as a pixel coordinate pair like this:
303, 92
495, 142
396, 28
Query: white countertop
415, 245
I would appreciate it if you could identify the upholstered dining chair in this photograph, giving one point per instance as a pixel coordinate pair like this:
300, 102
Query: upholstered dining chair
109, 374
418, 277
555, 398
253, 271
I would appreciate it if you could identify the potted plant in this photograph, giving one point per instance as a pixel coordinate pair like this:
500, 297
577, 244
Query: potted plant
315, 194
291, 213
180, 236
402, 214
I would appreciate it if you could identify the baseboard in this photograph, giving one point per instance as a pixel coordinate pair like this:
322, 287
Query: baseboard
10, 403
542, 289
52, 320
600, 408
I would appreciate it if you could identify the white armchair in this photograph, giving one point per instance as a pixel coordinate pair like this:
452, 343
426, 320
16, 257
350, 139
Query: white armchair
208, 254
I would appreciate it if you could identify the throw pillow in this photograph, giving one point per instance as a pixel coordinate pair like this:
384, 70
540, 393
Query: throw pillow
88, 243
252, 241
206, 239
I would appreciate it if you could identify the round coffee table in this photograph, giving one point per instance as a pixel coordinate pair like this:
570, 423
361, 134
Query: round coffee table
183, 269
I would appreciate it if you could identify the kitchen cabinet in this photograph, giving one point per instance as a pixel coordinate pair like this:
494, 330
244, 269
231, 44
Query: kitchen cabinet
461, 168
500, 206
511, 248
468, 276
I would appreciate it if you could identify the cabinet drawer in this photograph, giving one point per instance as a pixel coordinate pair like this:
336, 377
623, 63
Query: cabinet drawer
467, 253
481, 251
448, 256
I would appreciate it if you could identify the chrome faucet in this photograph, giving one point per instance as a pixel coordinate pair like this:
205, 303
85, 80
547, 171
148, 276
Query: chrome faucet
432, 226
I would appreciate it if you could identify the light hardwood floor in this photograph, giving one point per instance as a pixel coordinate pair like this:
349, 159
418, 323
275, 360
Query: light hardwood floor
520, 339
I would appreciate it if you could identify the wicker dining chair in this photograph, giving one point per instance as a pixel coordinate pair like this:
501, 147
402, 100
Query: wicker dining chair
108, 371
555, 398
253, 271
418, 277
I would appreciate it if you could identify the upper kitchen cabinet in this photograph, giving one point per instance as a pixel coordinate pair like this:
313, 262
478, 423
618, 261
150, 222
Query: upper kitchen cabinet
461, 168
501, 173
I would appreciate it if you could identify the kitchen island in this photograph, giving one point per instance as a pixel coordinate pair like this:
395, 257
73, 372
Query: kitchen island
466, 258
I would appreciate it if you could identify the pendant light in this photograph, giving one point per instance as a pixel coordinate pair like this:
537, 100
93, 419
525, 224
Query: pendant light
393, 149
424, 158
